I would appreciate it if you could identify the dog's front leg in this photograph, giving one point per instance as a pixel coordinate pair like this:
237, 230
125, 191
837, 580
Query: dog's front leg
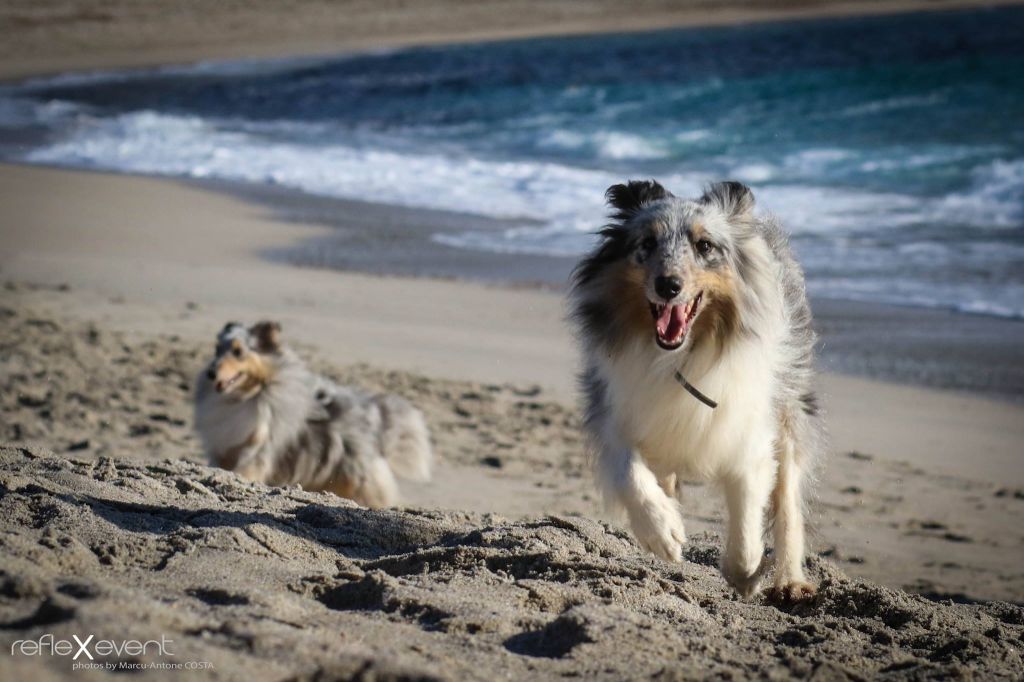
653, 515
252, 468
251, 463
746, 495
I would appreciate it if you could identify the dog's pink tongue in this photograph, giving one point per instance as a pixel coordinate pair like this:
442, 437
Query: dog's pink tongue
671, 323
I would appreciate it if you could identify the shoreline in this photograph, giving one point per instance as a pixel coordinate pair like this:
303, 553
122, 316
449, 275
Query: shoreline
898, 344
120, 37
125, 243
941, 348
918, 345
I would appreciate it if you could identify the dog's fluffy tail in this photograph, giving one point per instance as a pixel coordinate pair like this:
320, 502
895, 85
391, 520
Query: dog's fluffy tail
405, 440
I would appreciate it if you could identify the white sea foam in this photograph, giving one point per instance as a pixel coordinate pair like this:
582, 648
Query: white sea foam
149, 142
695, 135
605, 144
955, 297
996, 197
564, 198
754, 172
559, 205
893, 104
19, 111
617, 145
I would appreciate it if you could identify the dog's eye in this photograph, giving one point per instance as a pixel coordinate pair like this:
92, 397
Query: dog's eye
236, 351
704, 247
649, 244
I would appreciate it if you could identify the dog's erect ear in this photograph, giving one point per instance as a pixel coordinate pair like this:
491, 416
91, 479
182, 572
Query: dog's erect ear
734, 198
633, 196
230, 330
267, 336
628, 200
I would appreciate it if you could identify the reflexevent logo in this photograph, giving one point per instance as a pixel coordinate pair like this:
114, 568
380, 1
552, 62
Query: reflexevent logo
89, 653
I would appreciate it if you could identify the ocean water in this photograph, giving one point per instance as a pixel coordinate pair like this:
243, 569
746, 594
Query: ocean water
891, 147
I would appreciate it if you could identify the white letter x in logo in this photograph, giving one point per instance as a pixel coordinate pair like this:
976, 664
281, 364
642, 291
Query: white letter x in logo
82, 649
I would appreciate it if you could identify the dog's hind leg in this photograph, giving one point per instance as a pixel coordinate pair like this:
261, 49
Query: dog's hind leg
374, 486
790, 585
746, 496
654, 516
379, 488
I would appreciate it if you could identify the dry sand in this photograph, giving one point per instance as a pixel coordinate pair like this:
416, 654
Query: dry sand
506, 565
515, 448
64, 35
278, 583
281, 584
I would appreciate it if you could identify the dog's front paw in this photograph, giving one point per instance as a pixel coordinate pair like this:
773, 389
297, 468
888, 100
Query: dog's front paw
792, 593
658, 528
744, 576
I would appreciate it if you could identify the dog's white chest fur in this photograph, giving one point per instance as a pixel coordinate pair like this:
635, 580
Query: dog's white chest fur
224, 425
673, 431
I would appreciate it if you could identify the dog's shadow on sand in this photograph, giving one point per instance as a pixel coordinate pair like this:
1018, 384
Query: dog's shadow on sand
354, 532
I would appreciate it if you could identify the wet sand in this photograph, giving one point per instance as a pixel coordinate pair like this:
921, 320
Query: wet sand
927, 347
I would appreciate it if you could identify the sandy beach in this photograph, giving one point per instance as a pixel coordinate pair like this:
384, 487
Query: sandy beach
117, 277
75, 35
112, 288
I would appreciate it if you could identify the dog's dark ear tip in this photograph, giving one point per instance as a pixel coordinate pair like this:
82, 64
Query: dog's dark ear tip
267, 334
734, 198
738, 188
633, 195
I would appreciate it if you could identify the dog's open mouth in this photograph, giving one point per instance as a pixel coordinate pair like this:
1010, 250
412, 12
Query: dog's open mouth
228, 384
672, 322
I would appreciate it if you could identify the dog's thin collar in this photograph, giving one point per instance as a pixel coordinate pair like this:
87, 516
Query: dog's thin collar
694, 392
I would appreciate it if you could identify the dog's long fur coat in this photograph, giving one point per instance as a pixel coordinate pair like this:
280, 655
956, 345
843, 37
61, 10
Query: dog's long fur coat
261, 413
707, 289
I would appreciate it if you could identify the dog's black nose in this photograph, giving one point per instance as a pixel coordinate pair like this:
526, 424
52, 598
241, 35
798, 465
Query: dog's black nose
211, 375
668, 287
